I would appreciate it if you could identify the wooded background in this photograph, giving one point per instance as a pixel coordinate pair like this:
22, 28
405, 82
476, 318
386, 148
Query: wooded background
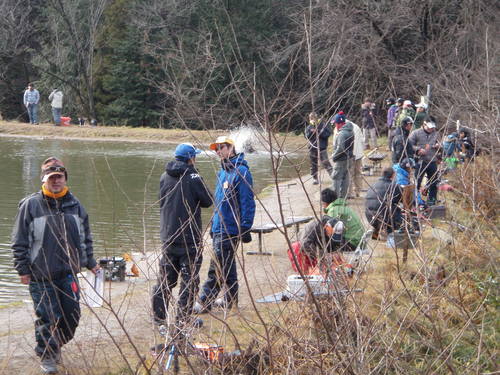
219, 63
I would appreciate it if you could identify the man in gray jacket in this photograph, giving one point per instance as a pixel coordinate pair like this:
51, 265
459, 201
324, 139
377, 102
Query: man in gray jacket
51, 241
56, 101
425, 145
342, 154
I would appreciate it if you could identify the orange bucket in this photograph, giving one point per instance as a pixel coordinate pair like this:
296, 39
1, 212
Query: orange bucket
65, 121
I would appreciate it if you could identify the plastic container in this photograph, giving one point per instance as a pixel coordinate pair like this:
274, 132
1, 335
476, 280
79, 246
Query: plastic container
296, 284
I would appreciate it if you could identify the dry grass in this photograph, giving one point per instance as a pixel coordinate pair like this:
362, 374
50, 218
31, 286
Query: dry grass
131, 134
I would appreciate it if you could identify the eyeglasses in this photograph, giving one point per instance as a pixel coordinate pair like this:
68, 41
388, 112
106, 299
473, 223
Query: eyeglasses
221, 146
54, 168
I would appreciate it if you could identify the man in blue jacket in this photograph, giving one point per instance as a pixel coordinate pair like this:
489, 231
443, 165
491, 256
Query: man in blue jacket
234, 211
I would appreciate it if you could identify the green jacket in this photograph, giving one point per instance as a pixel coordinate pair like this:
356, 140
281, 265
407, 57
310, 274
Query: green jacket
405, 112
353, 227
419, 120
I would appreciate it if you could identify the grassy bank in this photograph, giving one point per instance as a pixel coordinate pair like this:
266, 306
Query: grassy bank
130, 134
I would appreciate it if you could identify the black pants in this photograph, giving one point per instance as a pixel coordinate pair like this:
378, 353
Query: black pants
382, 217
428, 169
177, 261
222, 271
57, 310
323, 156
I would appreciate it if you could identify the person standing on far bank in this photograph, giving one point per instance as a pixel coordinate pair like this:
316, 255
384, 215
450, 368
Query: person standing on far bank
56, 100
182, 195
31, 99
51, 242
234, 212
317, 133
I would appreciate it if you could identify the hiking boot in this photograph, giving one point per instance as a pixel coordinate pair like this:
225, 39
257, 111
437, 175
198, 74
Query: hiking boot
48, 365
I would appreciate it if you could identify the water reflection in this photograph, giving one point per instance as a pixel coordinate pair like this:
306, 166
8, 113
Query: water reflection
116, 182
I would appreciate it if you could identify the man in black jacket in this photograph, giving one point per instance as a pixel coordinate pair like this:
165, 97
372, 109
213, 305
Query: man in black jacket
182, 195
51, 241
317, 133
381, 205
401, 147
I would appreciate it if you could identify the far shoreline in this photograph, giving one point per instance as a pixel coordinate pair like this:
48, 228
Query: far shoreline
10, 129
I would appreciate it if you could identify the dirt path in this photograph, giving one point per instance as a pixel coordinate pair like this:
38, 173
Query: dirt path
105, 333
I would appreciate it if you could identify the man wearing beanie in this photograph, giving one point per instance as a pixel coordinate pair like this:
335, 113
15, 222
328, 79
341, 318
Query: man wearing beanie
51, 242
343, 148
182, 195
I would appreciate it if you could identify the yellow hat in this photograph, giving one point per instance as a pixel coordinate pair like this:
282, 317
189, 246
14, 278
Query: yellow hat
220, 140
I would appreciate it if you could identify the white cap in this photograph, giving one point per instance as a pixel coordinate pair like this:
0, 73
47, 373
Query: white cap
430, 124
421, 105
407, 102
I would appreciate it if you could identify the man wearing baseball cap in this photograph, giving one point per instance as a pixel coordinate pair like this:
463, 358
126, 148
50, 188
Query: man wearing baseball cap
51, 242
425, 144
234, 211
182, 195
406, 111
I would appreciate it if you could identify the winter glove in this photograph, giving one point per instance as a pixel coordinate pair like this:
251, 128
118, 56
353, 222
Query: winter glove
246, 237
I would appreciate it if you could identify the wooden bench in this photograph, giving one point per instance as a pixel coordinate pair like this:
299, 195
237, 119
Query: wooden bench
270, 227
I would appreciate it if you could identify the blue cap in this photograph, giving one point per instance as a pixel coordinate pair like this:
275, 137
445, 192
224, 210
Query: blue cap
339, 118
186, 151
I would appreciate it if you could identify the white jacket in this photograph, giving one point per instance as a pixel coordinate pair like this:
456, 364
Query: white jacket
56, 98
359, 145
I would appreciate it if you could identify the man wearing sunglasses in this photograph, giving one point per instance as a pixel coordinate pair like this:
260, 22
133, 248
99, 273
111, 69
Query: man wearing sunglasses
234, 211
51, 242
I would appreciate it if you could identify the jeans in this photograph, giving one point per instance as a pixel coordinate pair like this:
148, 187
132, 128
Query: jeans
222, 271
57, 309
56, 113
177, 261
33, 113
340, 177
428, 169
323, 156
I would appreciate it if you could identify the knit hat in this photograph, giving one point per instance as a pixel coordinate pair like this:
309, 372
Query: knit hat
53, 166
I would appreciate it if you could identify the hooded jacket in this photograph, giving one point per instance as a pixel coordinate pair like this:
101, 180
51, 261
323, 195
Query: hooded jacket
401, 147
402, 175
382, 194
51, 237
354, 230
321, 135
344, 143
182, 194
234, 208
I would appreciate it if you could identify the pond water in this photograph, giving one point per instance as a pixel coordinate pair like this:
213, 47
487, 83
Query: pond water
117, 182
